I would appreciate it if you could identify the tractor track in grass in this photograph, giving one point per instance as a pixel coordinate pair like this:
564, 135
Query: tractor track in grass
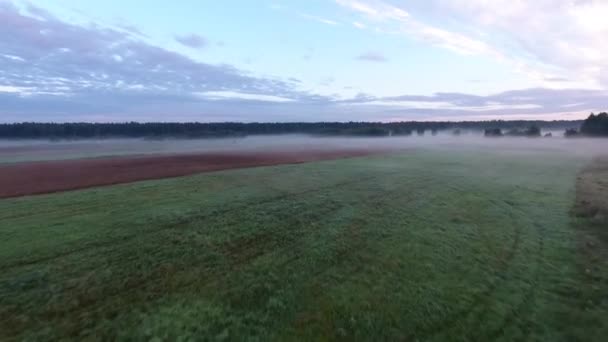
528, 297
480, 306
196, 217
190, 218
527, 300
135, 286
480, 301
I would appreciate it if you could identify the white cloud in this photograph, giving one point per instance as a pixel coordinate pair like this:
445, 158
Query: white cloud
450, 40
447, 105
13, 58
11, 89
372, 56
375, 9
549, 41
579, 115
232, 95
319, 19
359, 25
571, 36
193, 41
407, 24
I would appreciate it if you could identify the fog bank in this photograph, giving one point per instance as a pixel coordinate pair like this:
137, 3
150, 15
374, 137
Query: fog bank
30, 150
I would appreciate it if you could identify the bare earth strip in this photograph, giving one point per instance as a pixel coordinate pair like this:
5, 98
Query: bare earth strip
55, 176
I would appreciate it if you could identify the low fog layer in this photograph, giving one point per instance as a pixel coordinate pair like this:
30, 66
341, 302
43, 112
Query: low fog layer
27, 150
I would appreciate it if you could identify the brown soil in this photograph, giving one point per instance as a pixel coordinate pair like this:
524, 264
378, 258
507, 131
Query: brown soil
54, 176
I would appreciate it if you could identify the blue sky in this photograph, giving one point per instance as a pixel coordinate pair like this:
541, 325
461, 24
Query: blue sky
271, 60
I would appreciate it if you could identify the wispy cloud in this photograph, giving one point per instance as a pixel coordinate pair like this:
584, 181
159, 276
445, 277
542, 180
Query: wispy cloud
578, 52
232, 95
319, 19
327, 81
52, 70
371, 56
359, 25
194, 41
407, 24
375, 9
533, 103
92, 69
539, 48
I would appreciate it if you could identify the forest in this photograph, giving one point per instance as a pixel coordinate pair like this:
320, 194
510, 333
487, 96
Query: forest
80, 130
595, 125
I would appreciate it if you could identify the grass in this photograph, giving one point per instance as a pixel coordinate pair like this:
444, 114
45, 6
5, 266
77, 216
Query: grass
425, 245
591, 222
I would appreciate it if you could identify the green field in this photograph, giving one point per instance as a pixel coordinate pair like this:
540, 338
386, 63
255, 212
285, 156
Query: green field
421, 245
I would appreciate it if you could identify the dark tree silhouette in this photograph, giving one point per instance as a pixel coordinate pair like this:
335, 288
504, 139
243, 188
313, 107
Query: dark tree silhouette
571, 132
153, 130
493, 132
532, 131
595, 125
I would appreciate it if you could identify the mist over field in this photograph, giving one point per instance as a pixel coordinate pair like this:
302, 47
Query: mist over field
331, 170
435, 236
24, 150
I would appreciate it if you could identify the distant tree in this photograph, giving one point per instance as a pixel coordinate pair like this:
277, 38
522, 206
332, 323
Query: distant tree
571, 132
532, 131
368, 131
595, 125
456, 132
402, 131
161, 130
548, 135
493, 132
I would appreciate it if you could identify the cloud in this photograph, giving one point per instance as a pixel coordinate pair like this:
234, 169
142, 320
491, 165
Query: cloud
276, 7
239, 106
48, 65
556, 79
384, 12
377, 10
319, 19
47, 54
231, 95
576, 53
359, 25
132, 29
51, 70
12, 89
579, 51
327, 81
532, 103
371, 56
194, 41
542, 49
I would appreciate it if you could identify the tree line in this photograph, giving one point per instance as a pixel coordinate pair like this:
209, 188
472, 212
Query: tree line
531, 131
593, 126
79, 130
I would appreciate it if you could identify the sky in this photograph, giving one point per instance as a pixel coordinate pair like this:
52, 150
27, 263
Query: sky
302, 60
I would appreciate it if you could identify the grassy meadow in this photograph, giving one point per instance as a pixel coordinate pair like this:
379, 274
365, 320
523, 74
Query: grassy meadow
422, 245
